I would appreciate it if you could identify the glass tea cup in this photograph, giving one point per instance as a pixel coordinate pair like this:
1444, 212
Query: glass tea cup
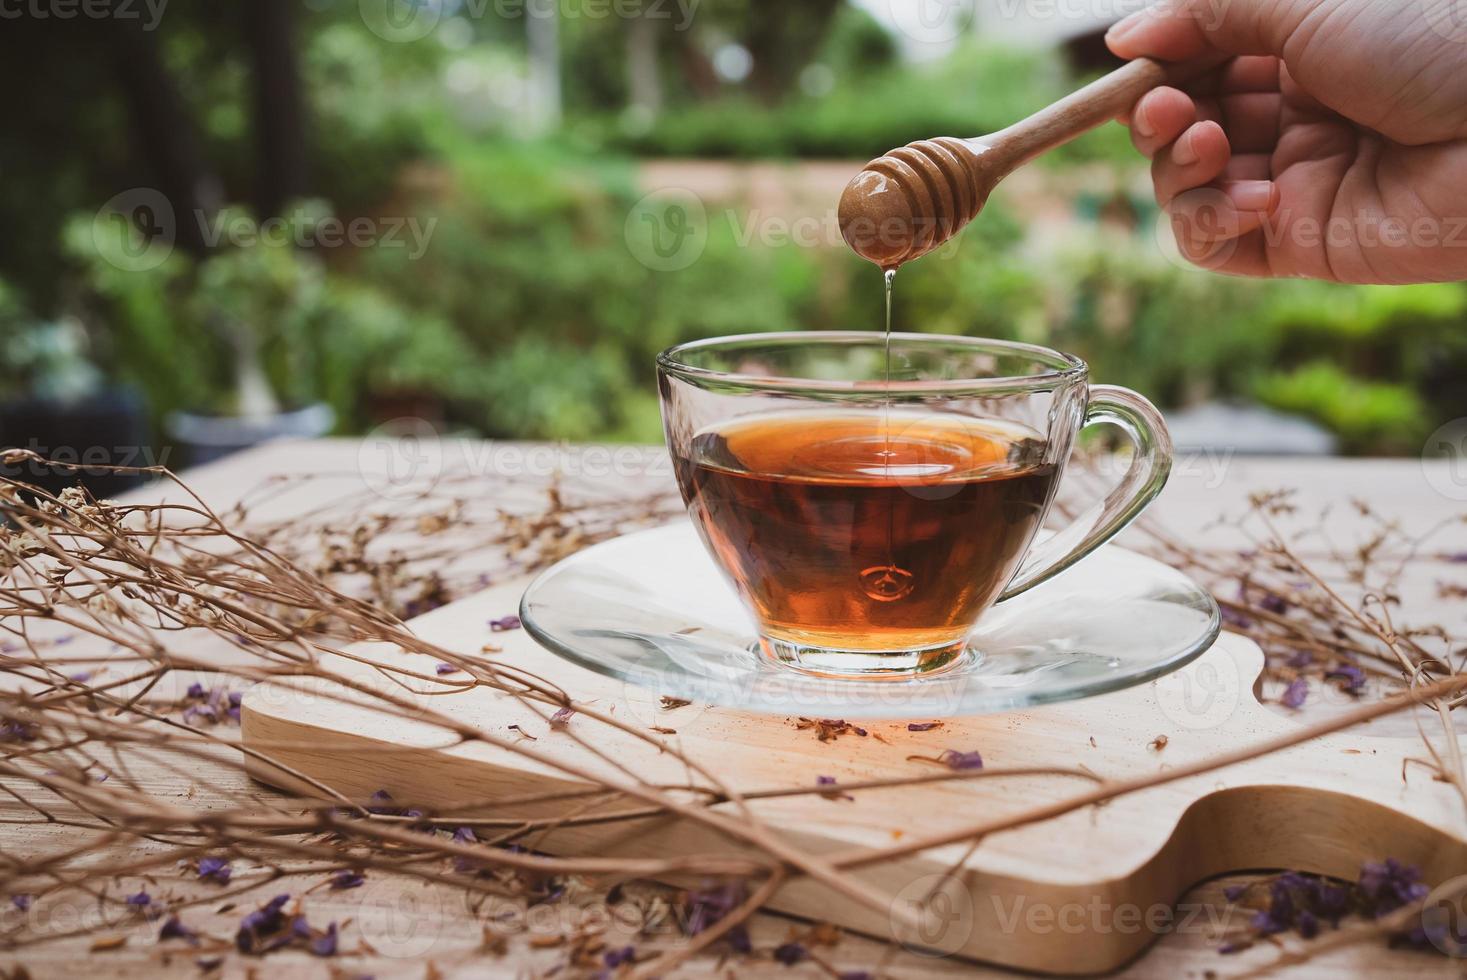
869, 501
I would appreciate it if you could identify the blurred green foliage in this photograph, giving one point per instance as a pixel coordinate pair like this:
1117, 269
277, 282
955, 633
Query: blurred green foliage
980, 89
529, 314
180, 329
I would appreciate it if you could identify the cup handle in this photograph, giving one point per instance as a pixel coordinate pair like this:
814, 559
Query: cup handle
1144, 426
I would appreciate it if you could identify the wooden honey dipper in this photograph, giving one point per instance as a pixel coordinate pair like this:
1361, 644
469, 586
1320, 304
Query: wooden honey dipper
915, 198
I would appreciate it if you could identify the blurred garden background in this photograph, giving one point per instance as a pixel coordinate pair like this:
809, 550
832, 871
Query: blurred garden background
322, 215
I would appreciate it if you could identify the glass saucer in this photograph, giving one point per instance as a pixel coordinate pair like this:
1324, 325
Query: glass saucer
652, 609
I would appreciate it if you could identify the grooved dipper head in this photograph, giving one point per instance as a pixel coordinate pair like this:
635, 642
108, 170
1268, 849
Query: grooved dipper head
912, 200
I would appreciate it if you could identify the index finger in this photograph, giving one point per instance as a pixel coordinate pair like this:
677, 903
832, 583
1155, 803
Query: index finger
1180, 30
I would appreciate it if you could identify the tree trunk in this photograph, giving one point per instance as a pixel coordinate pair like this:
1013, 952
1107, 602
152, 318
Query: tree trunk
165, 134
644, 80
280, 119
542, 32
783, 37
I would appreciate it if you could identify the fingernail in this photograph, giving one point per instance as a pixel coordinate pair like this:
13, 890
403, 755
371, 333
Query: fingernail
1124, 28
1252, 195
1184, 154
1142, 121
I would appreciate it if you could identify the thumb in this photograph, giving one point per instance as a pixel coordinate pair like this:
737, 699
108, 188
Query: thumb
1179, 30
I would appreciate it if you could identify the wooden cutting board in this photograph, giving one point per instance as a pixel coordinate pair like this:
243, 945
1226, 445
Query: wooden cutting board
1082, 893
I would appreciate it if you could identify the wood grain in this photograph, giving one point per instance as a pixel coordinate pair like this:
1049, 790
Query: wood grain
1095, 104
1067, 896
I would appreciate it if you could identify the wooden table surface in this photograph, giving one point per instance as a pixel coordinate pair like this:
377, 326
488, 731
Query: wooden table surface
425, 931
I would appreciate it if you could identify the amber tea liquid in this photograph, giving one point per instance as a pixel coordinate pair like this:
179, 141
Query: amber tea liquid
868, 532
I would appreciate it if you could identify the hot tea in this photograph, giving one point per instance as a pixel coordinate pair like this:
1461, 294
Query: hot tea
868, 531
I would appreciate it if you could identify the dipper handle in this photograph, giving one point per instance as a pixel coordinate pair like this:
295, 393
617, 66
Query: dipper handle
915, 198
1086, 108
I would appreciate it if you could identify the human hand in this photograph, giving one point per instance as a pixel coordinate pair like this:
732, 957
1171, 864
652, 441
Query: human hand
1333, 146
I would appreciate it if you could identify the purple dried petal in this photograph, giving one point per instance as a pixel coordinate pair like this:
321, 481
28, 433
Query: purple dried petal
209, 964
443, 669
562, 715
1373, 878
1274, 604
1353, 677
553, 892
325, 944
924, 726
1232, 617
738, 939
380, 802
215, 869
1300, 660
831, 794
82, 676
956, 760
18, 731
1234, 892
707, 906
140, 900
790, 953
860, 731
1290, 880
1332, 902
262, 922
465, 835
857, 975
173, 928
194, 712
616, 957
1281, 901
1267, 924
504, 623
1296, 693
343, 880
300, 928
22, 902
1307, 924
1386, 886
1236, 946
196, 691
